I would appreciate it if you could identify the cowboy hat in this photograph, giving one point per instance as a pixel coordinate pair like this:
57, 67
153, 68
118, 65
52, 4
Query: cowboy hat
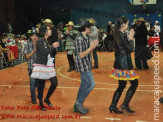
91, 20
70, 23
141, 19
85, 23
48, 21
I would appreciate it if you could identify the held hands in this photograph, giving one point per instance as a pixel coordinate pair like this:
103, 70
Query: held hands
55, 44
67, 32
131, 34
94, 44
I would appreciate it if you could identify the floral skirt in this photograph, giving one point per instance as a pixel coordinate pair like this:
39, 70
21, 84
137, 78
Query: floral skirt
120, 74
41, 71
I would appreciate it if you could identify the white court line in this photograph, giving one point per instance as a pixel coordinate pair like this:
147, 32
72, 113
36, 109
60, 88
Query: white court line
76, 88
108, 118
85, 117
140, 121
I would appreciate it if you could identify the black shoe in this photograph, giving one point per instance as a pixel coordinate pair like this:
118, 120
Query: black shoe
94, 67
115, 110
33, 100
42, 107
147, 67
127, 109
47, 101
161, 100
79, 108
140, 68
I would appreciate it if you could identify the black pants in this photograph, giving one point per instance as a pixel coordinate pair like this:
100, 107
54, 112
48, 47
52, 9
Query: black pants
41, 84
95, 57
140, 57
71, 61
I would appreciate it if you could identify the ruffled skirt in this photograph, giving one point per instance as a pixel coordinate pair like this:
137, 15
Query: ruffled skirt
41, 71
120, 74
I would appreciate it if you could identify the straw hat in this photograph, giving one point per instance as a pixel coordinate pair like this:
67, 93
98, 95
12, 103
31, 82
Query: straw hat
141, 19
70, 23
48, 21
91, 20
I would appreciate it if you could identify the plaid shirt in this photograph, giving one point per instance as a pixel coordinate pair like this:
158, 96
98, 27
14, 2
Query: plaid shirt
27, 50
81, 44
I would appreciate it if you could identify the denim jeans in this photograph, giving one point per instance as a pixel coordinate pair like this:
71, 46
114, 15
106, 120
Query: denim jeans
33, 84
86, 86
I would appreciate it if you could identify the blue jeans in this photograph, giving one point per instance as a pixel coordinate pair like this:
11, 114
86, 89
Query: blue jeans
86, 86
33, 84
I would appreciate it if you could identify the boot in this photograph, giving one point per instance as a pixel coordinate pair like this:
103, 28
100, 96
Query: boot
47, 101
40, 94
79, 108
138, 64
128, 97
113, 105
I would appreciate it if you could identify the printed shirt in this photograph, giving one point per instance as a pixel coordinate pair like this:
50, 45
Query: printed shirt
81, 44
27, 50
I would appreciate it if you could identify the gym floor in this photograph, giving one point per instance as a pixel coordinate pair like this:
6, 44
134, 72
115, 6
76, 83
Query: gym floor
15, 102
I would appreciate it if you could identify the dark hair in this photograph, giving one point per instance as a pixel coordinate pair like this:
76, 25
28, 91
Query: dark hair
42, 31
82, 28
118, 25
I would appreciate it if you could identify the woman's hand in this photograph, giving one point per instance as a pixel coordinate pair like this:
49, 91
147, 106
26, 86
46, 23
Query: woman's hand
55, 44
131, 34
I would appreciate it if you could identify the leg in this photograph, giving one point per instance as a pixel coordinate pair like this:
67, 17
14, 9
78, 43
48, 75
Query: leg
138, 56
41, 84
129, 95
95, 57
116, 97
54, 83
87, 84
32, 87
145, 64
69, 61
72, 62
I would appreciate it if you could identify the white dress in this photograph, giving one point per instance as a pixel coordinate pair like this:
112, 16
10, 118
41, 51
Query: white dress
44, 72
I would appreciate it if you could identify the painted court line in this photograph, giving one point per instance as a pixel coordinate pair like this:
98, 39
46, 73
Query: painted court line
74, 88
108, 118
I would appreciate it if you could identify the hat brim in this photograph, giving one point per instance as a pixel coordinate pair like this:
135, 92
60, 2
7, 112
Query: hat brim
87, 25
30, 34
69, 25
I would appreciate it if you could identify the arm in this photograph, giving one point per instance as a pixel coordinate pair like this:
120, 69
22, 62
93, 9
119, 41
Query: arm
44, 51
3, 49
83, 54
78, 48
128, 45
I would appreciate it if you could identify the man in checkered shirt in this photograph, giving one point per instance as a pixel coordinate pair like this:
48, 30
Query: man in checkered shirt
30, 52
83, 49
